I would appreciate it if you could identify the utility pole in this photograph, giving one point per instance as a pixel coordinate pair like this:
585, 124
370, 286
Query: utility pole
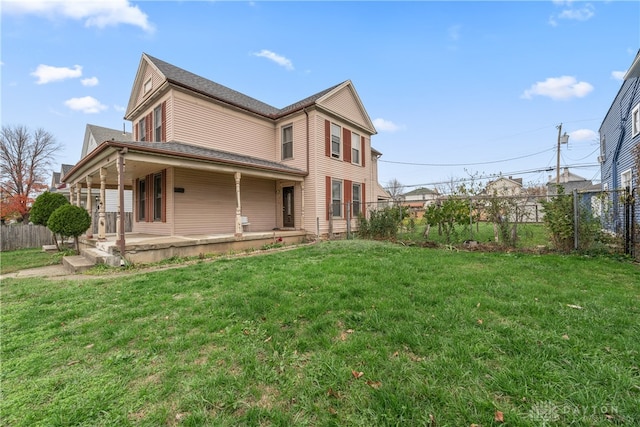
562, 139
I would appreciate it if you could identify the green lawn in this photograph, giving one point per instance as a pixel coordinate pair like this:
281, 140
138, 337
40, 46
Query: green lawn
28, 258
351, 333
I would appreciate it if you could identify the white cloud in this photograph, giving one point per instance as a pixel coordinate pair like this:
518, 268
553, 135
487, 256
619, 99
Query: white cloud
385, 125
583, 135
48, 74
87, 104
454, 32
618, 75
119, 108
583, 13
278, 59
99, 14
91, 81
564, 87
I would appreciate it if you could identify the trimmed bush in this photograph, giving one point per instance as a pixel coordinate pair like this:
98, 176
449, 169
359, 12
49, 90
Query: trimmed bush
69, 220
44, 206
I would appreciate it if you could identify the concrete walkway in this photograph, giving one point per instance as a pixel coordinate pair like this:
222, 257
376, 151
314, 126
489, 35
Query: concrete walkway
43, 272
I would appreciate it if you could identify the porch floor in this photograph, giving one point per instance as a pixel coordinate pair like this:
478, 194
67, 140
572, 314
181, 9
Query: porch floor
146, 248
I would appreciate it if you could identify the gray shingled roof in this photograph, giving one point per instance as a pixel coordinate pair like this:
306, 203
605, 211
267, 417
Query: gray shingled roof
192, 81
102, 134
193, 151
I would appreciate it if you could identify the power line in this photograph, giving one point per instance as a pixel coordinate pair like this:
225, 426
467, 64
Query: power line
465, 164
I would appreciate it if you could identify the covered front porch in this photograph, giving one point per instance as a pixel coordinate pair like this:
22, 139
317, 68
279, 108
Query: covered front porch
143, 248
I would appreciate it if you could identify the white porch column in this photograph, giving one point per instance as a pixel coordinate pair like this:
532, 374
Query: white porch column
78, 198
71, 194
238, 175
102, 225
120, 221
89, 206
302, 205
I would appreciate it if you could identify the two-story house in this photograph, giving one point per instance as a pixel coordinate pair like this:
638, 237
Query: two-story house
207, 160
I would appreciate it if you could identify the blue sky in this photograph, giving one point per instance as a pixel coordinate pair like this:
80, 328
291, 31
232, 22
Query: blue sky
454, 88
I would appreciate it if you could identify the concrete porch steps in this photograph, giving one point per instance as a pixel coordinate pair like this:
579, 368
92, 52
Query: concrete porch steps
88, 258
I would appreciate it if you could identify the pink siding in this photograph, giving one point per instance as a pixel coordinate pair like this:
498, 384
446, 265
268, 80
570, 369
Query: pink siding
198, 122
299, 123
208, 204
156, 80
344, 103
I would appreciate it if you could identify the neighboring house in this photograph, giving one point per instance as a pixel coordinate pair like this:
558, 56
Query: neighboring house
419, 198
504, 186
93, 136
569, 182
205, 159
620, 133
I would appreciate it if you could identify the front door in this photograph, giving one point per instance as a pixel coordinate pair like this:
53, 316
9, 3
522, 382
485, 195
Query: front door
287, 207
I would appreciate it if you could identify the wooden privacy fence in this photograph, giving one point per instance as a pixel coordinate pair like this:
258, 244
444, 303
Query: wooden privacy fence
23, 236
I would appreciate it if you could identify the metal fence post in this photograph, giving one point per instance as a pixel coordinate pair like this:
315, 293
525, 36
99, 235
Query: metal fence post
576, 217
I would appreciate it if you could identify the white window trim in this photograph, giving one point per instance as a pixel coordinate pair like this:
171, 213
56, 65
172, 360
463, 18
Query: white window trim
337, 155
355, 185
635, 120
148, 85
157, 124
333, 200
282, 141
623, 175
355, 141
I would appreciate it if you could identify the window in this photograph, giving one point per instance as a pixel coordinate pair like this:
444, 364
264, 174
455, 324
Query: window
157, 197
355, 194
148, 85
142, 199
625, 179
287, 142
635, 120
142, 129
355, 148
157, 122
335, 141
336, 198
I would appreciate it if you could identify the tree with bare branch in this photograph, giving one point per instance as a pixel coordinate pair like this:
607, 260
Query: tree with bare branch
395, 190
26, 158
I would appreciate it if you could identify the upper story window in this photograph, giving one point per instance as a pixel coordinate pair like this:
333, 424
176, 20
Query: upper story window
635, 120
157, 122
355, 148
142, 129
287, 142
335, 140
148, 85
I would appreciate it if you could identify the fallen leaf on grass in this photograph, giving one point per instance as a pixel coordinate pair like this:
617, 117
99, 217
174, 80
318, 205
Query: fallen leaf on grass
268, 339
475, 425
73, 362
89, 346
332, 393
577, 307
333, 411
374, 384
565, 337
357, 374
432, 421
480, 321
396, 354
499, 417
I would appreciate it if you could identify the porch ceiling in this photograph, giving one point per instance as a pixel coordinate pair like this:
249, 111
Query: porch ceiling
142, 158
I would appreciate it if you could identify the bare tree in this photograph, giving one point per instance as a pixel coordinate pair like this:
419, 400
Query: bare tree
395, 189
25, 163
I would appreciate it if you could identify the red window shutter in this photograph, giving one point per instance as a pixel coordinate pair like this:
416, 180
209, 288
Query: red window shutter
328, 198
164, 196
164, 121
148, 217
363, 205
149, 124
362, 156
347, 197
327, 138
346, 136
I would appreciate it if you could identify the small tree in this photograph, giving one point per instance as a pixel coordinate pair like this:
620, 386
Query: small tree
44, 206
69, 220
383, 223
